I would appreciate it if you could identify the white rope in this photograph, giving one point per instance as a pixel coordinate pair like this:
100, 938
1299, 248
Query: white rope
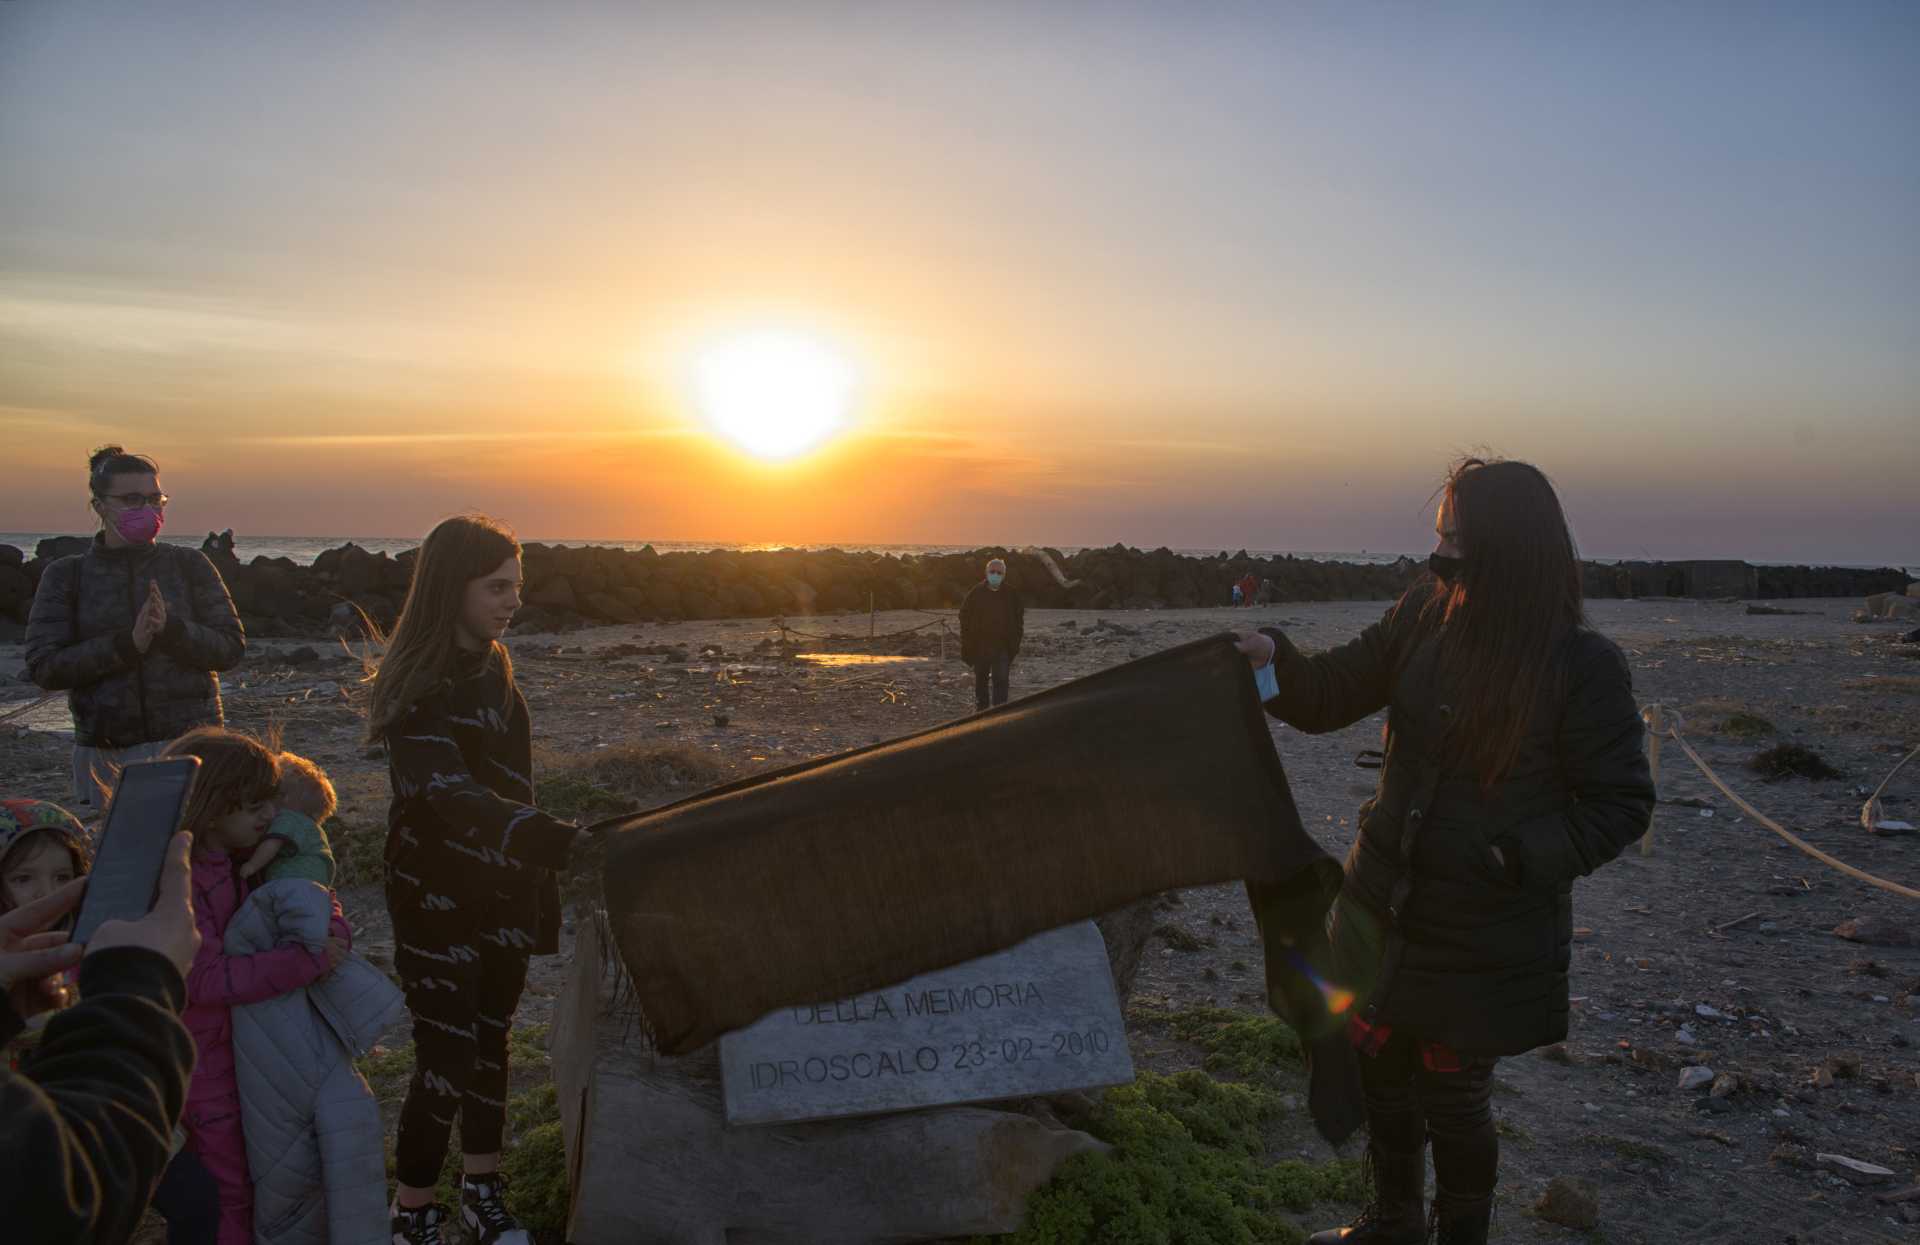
1671, 723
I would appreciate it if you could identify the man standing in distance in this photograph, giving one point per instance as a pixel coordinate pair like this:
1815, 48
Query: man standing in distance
992, 619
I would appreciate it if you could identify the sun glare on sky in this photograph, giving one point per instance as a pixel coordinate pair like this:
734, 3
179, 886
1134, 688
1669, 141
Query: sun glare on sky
774, 393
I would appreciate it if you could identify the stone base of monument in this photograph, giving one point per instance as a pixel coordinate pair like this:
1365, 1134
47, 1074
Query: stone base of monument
652, 1160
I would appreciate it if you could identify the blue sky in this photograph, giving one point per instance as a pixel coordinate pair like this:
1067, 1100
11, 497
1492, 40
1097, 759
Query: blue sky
1207, 276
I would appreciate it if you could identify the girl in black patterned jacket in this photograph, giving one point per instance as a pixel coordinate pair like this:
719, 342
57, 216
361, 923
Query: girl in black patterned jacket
470, 865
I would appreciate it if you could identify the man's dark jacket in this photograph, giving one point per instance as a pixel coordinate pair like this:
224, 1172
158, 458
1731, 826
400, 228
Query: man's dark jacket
992, 622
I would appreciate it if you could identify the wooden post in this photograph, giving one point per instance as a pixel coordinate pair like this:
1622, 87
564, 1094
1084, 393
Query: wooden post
1654, 725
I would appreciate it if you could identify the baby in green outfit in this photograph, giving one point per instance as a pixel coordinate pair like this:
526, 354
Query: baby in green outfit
295, 846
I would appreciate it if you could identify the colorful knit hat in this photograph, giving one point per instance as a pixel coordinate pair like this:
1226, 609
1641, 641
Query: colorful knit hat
19, 818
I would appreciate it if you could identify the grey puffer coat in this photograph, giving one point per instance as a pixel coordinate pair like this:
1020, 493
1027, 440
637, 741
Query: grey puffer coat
80, 641
314, 1139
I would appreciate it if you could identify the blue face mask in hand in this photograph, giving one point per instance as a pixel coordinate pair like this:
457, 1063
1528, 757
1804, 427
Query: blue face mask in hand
1266, 682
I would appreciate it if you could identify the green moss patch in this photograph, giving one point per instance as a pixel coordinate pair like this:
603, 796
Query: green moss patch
1187, 1167
1247, 1046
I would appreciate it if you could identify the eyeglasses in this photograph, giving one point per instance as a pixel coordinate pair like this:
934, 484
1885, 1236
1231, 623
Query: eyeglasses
157, 500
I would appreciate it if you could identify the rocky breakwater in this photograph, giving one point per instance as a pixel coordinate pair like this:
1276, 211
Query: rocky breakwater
568, 587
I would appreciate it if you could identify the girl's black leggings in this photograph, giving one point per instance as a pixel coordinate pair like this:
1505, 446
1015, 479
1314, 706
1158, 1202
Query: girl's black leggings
1409, 1102
462, 971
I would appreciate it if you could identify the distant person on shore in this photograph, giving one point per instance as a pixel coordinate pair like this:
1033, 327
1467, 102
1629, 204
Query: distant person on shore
134, 631
992, 620
1513, 766
470, 866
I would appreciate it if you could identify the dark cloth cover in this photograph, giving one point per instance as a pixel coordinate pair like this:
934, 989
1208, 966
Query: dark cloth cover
864, 869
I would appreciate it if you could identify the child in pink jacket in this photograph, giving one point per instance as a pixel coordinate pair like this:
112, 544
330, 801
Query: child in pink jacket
230, 809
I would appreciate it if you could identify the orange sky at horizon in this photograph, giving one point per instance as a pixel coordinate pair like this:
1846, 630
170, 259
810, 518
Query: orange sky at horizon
1247, 279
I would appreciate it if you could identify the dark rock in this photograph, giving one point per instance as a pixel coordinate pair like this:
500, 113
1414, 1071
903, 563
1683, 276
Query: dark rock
11, 556
305, 655
61, 547
608, 607
346, 621
1877, 931
1570, 1202
16, 591
354, 571
555, 593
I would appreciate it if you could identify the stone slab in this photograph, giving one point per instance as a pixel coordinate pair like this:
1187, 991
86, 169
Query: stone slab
1040, 1017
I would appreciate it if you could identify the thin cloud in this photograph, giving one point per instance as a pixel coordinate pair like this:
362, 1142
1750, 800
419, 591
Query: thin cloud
345, 440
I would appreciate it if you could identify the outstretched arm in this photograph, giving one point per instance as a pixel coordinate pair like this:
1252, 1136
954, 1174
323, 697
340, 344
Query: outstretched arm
1336, 688
428, 761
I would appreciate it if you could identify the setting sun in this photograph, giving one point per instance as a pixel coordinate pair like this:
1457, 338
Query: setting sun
775, 394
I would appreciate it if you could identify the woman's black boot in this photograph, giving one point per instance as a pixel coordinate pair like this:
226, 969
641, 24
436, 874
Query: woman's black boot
1397, 1212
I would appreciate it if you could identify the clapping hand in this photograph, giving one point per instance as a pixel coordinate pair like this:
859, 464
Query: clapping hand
153, 617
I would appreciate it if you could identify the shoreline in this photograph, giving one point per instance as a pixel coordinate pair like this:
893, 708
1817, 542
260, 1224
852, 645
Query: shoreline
568, 587
310, 548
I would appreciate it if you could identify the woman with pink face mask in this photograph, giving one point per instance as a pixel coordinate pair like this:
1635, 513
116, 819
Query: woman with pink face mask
134, 631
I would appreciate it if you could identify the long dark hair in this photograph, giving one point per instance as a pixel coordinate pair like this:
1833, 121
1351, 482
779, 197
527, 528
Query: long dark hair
1507, 614
419, 654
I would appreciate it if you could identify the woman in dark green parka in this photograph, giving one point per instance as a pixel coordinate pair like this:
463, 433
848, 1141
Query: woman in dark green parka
1513, 765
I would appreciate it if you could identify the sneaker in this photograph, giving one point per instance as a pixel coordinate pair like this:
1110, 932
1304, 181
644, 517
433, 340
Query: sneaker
419, 1226
483, 1209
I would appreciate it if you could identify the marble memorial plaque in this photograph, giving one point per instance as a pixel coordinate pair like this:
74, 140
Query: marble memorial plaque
1037, 1018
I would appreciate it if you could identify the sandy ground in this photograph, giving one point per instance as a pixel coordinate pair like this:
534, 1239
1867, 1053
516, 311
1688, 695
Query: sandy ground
1716, 949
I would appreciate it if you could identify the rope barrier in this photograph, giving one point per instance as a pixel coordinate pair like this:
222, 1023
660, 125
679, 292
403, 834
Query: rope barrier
1666, 723
885, 635
21, 711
